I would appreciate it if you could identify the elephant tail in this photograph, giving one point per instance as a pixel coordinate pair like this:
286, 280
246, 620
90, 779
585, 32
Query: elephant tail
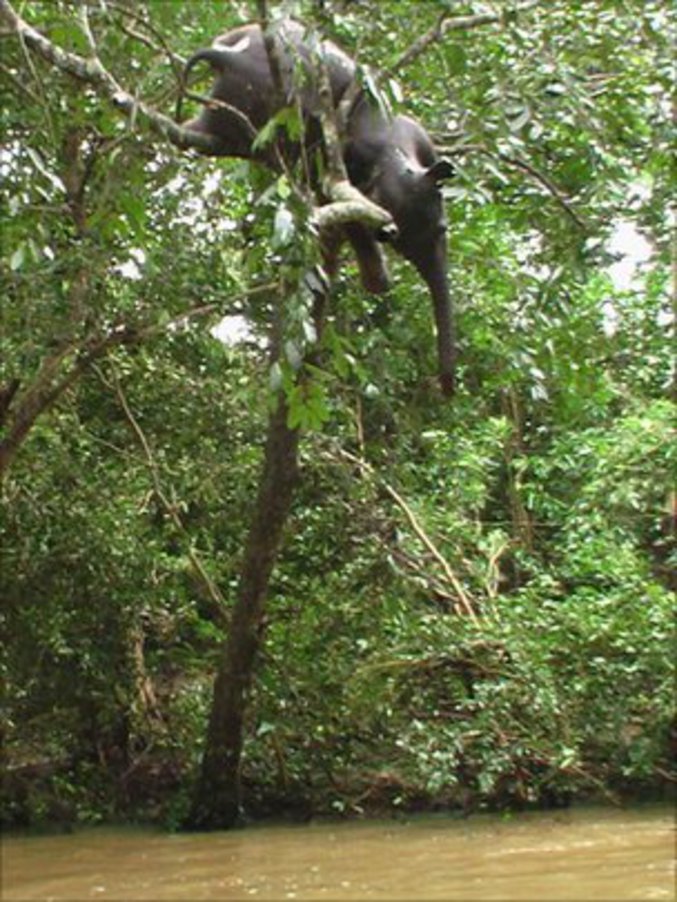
213, 55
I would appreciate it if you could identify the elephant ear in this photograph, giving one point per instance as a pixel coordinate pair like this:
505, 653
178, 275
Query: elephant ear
440, 171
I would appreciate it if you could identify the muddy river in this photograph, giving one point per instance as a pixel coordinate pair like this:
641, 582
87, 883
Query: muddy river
587, 853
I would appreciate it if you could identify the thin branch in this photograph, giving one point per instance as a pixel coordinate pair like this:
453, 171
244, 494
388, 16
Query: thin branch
436, 33
445, 24
527, 168
548, 184
83, 16
161, 45
273, 54
42, 91
417, 569
141, 38
433, 35
56, 376
20, 85
171, 508
216, 104
92, 72
672, 778
454, 582
47, 387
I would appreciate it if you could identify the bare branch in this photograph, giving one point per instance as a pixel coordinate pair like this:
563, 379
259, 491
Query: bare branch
20, 85
548, 184
175, 60
349, 205
463, 597
61, 369
92, 72
435, 33
83, 16
523, 166
53, 379
171, 508
445, 24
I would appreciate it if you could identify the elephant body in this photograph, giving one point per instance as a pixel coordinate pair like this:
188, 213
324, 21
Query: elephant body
390, 159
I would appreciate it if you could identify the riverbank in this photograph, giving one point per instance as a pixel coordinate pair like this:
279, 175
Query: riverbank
54, 798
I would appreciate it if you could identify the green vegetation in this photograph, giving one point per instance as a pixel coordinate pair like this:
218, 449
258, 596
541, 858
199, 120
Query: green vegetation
474, 602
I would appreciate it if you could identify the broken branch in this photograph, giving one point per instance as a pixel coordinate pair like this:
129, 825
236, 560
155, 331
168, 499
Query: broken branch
463, 597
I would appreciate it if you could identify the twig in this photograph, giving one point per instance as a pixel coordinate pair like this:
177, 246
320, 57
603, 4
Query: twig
216, 104
548, 184
159, 37
523, 166
671, 778
20, 85
92, 72
171, 508
493, 572
55, 377
435, 33
433, 584
462, 595
42, 91
83, 16
447, 23
432, 548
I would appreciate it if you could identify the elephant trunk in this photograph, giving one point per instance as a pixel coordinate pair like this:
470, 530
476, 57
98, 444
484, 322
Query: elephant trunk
446, 346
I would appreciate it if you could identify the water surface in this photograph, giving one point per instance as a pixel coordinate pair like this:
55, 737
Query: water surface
580, 854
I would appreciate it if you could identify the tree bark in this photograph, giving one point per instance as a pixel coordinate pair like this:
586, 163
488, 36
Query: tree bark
523, 528
217, 800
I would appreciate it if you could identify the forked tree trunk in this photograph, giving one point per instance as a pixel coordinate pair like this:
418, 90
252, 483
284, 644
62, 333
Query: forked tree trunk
217, 799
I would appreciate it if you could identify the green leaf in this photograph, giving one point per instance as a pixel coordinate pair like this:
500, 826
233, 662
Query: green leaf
293, 355
284, 227
287, 120
518, 122
17, 259
275, 377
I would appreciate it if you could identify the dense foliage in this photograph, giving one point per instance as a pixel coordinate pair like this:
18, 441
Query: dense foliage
474, 603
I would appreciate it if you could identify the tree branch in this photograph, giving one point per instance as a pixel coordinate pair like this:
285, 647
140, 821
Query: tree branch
445, 24
348, 204
464, 598
175, 61
92, 72
527, 168
50, 383
171, 508
55, 376
434, 34
548, 184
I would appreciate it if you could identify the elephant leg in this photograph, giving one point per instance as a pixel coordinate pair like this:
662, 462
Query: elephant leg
370, 258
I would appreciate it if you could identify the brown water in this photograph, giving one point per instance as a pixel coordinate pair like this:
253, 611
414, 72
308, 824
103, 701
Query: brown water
574, 855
